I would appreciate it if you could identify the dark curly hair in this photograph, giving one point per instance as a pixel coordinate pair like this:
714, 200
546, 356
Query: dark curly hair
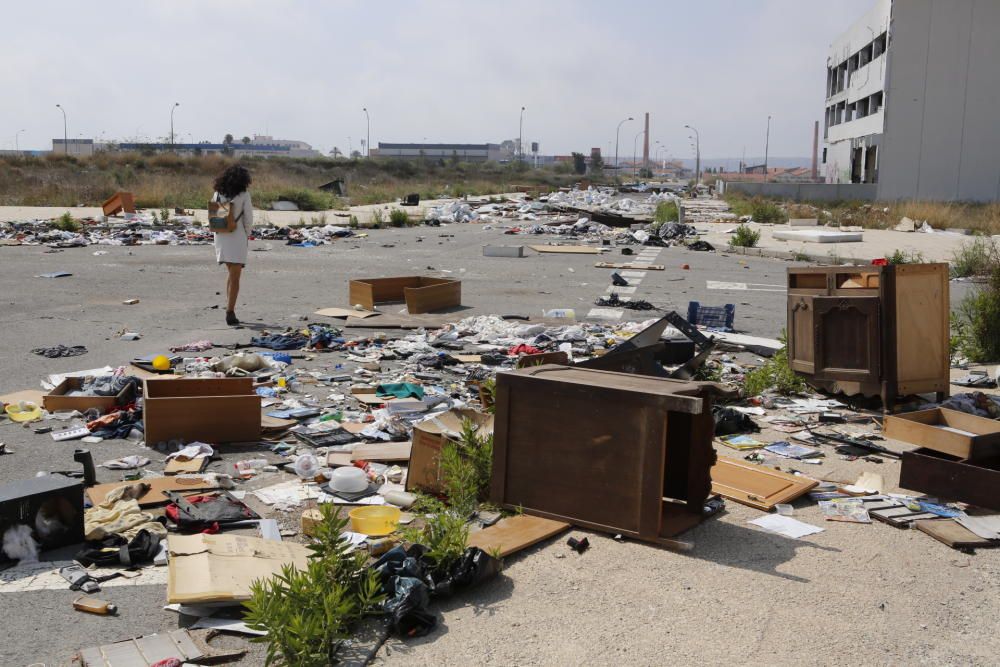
233, 181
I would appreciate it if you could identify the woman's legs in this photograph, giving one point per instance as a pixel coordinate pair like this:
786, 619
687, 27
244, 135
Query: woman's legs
232, 287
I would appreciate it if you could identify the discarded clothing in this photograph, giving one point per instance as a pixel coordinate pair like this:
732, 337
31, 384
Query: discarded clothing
400, 390
121, 517
633, 304
978, 403
109, 385
207, 512
197, 346
117, 424
292, 341
60, 351
322, 337
729, 421
118, 550
523, 349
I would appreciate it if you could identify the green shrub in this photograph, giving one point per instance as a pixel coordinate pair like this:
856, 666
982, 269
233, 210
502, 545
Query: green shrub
775, 374
901, 257
766, 211
306, 613
466, 468
378, 218
67, 223
977, 258
353, 222
666, 211
744, 237
399, 218
977, 322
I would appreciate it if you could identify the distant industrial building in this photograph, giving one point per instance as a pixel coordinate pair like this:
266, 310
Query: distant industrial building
463, 152
77, 147
259, 146
912, 94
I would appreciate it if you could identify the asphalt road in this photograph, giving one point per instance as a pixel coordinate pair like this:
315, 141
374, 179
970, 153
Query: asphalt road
181, 291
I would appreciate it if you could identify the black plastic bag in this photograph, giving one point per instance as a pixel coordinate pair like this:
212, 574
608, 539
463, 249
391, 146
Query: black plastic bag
473, 568
116, 550
730, 422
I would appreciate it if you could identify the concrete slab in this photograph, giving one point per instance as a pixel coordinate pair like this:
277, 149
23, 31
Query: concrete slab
817, 236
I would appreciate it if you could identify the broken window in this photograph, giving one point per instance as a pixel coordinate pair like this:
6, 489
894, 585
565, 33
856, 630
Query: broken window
876, 102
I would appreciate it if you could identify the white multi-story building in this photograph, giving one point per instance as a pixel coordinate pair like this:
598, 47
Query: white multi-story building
913, 99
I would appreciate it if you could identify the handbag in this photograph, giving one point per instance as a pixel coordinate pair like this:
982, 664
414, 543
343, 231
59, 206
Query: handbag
220, 216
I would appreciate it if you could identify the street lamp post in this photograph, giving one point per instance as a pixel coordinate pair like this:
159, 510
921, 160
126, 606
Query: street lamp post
767, 142
17, 145
368, 133
520, 138
697, 155
65, 132
617, 130
176, 104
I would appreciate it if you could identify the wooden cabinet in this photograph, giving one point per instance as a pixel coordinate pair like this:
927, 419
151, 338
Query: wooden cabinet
879, 330
610, 451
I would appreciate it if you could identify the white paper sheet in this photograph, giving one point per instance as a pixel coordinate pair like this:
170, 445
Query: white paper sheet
787, 526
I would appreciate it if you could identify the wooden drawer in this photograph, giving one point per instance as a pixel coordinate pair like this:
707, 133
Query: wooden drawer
952, 478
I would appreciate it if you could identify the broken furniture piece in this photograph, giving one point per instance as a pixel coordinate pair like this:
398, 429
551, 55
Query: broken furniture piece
614, 452
878, 330
950, 477
421, 294
51, 507
755, 485
119, 202
185, 645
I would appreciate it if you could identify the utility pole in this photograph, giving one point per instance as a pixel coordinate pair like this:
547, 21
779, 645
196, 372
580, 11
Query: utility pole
368, 133
635, 154
616, 142
176, 104
65, 132
697, 155
520, 138
767, 142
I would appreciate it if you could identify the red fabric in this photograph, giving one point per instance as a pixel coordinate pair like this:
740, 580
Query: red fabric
881, 261
523, 349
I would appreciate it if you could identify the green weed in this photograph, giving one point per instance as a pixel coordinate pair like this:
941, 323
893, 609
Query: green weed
67, 223
975, 258
666, 211
775, 375
744, 237
399, 218
977, 321
466, 468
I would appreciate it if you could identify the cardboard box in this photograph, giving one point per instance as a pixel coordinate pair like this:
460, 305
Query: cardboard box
58, 400
428, 437
207, 410
220, 568
51, 505
422, 295
948, 431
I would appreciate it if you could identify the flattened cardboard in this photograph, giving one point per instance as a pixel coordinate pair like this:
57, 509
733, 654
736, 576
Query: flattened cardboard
345, 312
952, 533
204, 410
383, 451
566, 249
177, 467
756, 486
515, 533
57, 399
26, 395
948, 431
220, 568
157, 485
428, 437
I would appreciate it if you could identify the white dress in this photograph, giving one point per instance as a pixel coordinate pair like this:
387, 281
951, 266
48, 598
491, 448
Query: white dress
231, 247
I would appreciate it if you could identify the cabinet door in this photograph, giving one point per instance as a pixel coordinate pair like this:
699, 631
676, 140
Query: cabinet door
848, 341
801, 334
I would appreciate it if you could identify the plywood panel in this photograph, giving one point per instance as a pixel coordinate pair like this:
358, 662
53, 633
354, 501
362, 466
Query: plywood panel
755, 485
515, 533
922, 327
157, 485
386, 451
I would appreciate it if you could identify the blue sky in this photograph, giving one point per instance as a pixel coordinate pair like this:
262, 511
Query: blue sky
451, 71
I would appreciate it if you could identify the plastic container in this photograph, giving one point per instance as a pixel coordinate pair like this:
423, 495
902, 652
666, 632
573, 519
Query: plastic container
374, 520
306, 466
784, 509
402, 499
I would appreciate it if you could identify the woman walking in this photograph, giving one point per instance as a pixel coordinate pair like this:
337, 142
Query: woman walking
231, 247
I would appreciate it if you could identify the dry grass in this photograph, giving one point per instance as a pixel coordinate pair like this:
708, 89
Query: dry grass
166, 181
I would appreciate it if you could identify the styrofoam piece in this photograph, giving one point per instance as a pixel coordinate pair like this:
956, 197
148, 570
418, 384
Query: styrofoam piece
503, 251
817, 236
803, 222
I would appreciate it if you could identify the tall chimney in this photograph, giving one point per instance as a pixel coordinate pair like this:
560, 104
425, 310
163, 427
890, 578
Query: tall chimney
815, 169
645, 144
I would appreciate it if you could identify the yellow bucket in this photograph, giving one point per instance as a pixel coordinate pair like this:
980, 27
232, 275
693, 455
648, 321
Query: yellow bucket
374, 519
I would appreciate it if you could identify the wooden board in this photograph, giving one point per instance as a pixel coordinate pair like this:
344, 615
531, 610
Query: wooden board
354, 427
157, 485
923, 328
630, 265
345, 312
274, 425
385, 451
515, 533
339, 459
755, 485
566, 249
467, 358
950, 532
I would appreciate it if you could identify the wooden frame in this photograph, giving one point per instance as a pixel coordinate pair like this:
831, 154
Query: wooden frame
615, 452
952, 478
206, 410
890, 324
421, 294
924, 428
